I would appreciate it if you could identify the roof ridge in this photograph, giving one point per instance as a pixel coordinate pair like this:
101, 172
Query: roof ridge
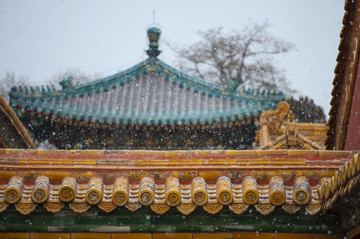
104, 79
200, 81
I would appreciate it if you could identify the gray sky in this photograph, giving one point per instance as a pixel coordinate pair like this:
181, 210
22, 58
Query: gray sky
40, 39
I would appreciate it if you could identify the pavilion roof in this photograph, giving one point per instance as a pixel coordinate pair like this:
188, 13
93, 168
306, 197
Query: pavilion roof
150, 93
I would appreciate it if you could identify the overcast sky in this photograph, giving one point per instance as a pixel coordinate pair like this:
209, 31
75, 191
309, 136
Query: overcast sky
40, 39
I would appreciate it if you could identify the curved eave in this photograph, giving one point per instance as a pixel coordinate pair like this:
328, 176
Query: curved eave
151, 64
72, 119
48, 106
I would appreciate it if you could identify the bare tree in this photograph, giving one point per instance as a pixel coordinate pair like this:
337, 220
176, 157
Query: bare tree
76, 75
245, 57
10, 80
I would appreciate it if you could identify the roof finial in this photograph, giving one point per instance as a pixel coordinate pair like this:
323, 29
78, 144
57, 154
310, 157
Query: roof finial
153, 35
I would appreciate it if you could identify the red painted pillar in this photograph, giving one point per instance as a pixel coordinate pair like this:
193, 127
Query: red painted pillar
352, 140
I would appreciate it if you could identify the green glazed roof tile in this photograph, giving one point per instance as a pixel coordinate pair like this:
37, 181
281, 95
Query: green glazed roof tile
173, 97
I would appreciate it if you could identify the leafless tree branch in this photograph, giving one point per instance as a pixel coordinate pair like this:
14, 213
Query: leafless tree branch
245, 56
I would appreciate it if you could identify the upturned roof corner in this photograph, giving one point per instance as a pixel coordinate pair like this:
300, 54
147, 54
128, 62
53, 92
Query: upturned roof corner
278, 130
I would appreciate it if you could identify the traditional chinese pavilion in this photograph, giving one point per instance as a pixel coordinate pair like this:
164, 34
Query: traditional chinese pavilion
149, 106
295, 183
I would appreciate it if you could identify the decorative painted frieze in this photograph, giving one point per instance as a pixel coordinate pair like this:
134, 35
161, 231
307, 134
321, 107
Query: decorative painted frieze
265, 179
